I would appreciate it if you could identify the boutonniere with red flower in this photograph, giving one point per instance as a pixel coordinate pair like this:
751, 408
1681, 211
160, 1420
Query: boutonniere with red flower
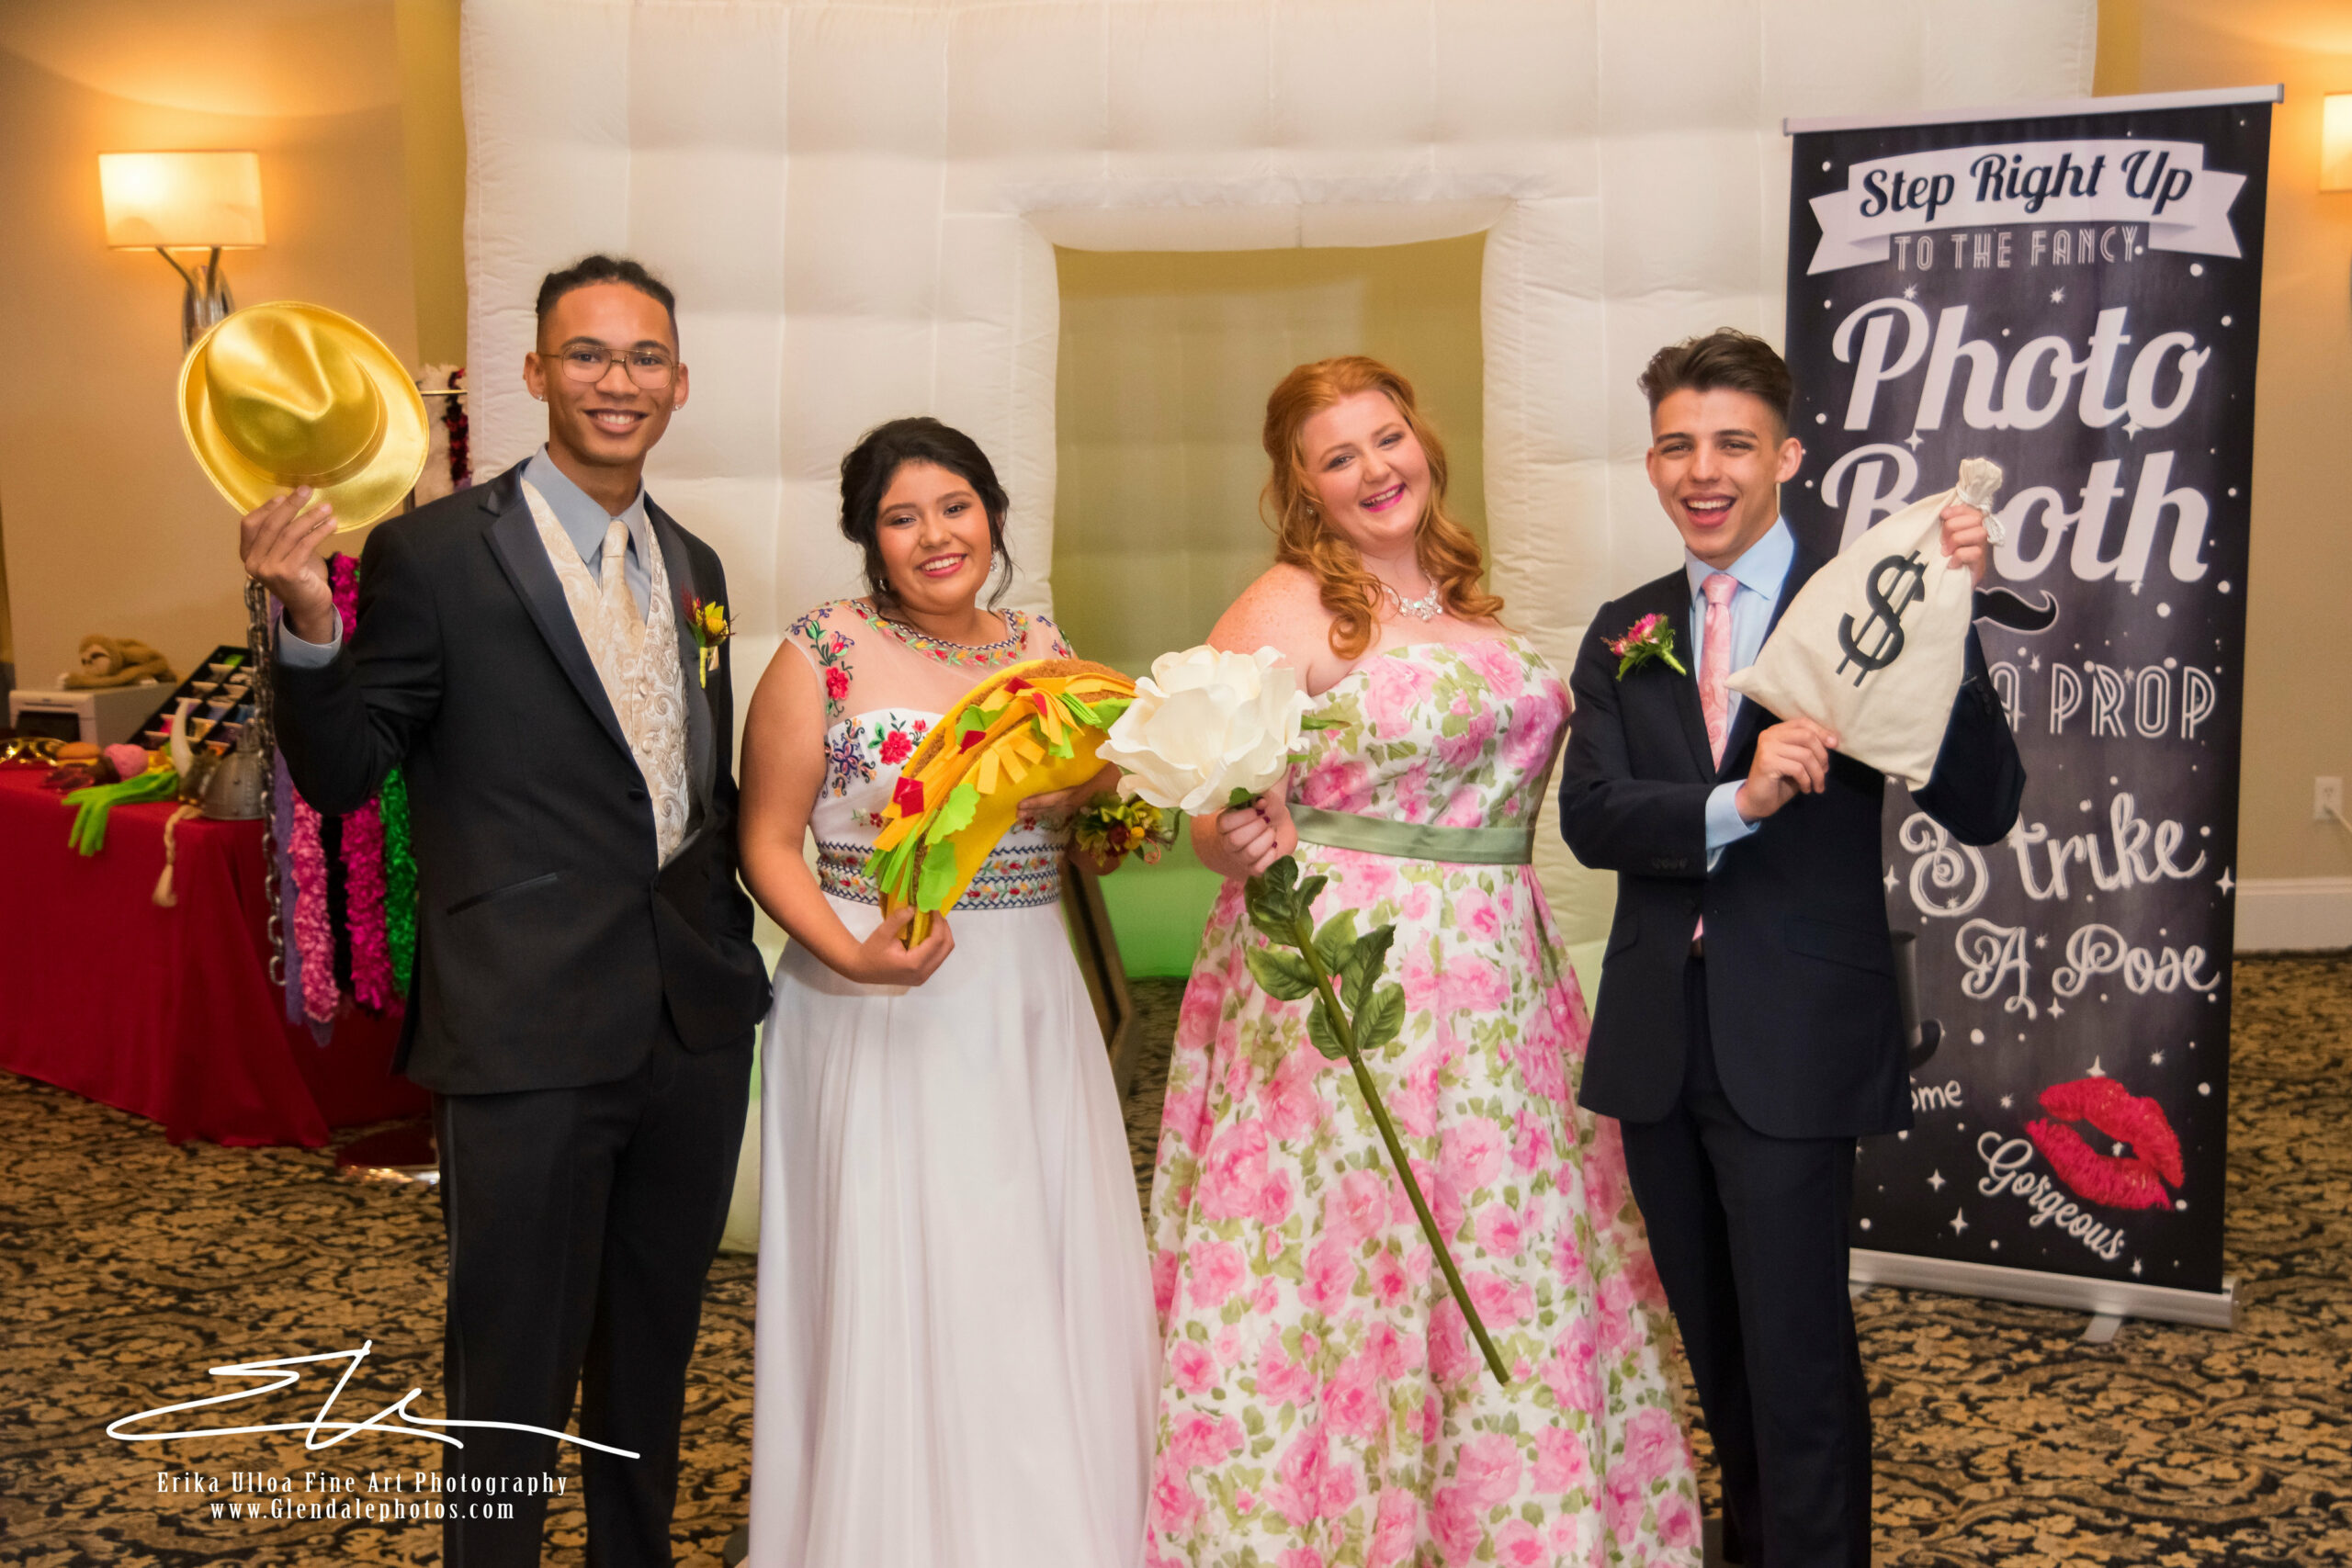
711, 628
1647, 638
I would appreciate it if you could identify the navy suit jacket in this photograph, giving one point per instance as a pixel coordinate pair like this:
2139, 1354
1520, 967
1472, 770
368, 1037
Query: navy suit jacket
551, 942
1800, 968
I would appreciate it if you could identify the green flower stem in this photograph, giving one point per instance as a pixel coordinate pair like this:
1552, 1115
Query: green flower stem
1345, 1030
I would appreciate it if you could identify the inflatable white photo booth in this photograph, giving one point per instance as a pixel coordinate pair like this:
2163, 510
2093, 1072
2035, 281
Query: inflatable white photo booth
858, 206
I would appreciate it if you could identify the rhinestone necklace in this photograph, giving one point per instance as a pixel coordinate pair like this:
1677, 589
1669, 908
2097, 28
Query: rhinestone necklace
1426, 607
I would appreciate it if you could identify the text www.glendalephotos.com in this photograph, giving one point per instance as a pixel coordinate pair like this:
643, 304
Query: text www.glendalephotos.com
382, 1511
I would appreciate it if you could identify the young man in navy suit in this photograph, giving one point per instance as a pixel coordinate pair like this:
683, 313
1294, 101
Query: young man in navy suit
1746, 1033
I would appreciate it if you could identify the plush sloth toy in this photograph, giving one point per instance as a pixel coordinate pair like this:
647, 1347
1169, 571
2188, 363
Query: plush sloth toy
117, 661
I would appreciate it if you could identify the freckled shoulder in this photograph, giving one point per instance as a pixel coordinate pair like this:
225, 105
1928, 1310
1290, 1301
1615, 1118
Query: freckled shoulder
1284, 607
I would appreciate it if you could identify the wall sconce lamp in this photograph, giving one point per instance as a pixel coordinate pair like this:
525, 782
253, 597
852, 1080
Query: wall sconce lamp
2336, 141
167, 201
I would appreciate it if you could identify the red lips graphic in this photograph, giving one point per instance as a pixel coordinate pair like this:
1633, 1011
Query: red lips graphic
2119, 1181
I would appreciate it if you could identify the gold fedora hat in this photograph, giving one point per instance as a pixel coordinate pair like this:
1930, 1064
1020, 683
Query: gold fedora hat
286, 394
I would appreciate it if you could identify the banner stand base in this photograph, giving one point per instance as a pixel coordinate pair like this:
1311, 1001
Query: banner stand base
2102, 1298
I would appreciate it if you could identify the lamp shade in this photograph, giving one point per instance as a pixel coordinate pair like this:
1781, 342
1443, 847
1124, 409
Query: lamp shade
184, 201
2336, 141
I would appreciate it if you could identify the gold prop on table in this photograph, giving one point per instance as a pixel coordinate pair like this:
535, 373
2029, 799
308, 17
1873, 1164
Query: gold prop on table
31, 749
1025, 731
282, 395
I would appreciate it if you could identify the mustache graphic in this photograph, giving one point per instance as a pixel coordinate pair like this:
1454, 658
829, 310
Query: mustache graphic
2004, 608
2120, 1181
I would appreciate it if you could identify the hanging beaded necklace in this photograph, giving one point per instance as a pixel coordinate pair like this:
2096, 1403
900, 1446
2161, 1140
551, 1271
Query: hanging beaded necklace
943, 650
1426, 607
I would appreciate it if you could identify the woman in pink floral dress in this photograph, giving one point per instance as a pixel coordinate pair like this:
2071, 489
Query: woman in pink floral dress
1321, 1401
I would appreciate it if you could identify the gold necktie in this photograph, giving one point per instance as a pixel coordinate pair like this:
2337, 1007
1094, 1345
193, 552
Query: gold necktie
614, 586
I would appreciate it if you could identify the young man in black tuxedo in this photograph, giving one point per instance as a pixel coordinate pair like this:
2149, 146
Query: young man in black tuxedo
586, 987
1746, 1033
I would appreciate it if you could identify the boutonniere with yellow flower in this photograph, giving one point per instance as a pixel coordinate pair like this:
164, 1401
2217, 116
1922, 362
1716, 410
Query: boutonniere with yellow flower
1647, 638
711, 628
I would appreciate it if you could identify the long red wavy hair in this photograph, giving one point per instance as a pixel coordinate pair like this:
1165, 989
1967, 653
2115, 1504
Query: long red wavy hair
1445, 550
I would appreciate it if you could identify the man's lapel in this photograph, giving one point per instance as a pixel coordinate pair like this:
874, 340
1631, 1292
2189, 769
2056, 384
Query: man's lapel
1749, 721
514, 540
1676, 606
701, 740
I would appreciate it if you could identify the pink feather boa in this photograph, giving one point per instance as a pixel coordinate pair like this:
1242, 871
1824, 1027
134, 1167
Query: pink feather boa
313, 942
363, 849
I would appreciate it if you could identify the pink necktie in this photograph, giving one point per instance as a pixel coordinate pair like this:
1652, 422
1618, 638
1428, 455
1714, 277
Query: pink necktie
1714, 660
1714, 668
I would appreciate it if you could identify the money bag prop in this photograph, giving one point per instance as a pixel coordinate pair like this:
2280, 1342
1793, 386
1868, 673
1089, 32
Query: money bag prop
1874, 646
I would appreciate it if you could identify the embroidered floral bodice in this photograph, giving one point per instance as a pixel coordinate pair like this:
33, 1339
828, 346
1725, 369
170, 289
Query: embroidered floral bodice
1451, 735
882, 697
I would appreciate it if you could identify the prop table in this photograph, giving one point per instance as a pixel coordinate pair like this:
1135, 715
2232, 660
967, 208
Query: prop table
168, 1012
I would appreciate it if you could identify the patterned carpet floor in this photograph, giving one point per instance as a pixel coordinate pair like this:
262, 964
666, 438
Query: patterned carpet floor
129, 1267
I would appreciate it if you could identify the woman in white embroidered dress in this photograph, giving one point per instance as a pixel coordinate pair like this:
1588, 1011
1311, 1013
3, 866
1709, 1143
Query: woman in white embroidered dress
957, 1351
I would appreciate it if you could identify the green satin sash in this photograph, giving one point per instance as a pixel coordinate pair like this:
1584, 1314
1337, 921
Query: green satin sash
1413, 840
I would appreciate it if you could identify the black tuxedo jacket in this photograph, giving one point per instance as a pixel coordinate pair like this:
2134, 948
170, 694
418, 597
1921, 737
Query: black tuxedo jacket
1800, 968
549, 943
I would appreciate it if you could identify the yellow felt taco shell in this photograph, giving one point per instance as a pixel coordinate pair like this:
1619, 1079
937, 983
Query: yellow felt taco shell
1008, 765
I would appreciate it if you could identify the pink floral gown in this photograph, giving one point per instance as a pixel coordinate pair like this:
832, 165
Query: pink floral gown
1321, 1400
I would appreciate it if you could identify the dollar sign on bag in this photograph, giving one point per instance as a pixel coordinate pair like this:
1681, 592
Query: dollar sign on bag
1880, 641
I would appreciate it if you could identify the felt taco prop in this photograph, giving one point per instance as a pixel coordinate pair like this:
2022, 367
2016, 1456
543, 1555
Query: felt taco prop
1028, 729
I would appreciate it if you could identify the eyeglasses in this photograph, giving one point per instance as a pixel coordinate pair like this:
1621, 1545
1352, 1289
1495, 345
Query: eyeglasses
650, 368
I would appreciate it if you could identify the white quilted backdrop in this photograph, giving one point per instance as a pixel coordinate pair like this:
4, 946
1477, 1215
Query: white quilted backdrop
857, 205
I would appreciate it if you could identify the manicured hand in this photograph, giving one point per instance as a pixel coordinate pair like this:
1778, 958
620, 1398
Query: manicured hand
1965, 539
1246, 840
279, 542
1792, 759
883, 959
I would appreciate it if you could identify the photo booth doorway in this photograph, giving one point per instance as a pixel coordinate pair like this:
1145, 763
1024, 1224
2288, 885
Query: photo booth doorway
1164, 363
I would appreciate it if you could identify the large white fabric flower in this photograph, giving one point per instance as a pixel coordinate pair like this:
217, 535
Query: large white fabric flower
1204, 723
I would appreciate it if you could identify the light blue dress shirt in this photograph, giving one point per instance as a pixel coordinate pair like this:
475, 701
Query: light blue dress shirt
1760, 572
584, 520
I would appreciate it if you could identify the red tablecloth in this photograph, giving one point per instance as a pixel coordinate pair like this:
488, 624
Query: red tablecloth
168, 1012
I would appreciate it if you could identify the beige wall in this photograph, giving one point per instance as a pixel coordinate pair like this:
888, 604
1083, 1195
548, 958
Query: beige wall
432, 128
2298, 636
110, 526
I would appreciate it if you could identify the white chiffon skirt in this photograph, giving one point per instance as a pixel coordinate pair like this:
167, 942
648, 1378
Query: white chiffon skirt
958, 1354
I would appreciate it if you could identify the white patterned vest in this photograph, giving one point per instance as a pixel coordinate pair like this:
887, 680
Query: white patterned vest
637, 659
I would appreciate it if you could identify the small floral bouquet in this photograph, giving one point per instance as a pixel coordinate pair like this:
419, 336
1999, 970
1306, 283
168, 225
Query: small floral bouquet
1647, 638
1111, 828
711, 626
